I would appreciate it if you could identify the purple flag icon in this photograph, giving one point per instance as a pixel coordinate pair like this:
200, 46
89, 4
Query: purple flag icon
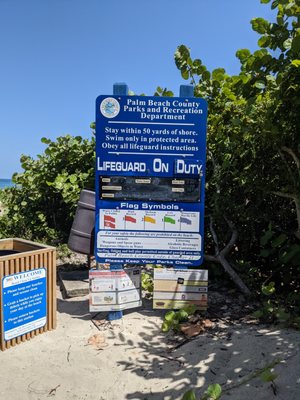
185, 220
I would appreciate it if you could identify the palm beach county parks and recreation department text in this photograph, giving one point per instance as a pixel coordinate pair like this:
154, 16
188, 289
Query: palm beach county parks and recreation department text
174, 138
150, 137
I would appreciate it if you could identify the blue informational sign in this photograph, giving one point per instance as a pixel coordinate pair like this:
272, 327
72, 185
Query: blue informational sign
150, 180
24, 302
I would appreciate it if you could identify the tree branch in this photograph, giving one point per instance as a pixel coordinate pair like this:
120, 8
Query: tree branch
296, 199
214, 235
287, 167
215, 168
220, 256
293, 155
207, 257
297, 203
233, 275
232, 240
286, 195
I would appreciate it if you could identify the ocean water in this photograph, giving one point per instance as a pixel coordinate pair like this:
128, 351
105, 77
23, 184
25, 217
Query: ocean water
5, 183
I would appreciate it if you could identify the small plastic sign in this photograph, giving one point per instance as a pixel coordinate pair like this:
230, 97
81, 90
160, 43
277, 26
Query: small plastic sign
115, 290
175, 288
24, 302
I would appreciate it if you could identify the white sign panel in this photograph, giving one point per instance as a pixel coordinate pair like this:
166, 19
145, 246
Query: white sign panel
115, 290
176, 288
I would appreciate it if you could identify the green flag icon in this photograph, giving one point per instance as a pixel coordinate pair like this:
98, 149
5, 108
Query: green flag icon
170, 220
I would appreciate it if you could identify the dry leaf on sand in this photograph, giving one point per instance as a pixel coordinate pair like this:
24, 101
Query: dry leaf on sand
208, 324
191, 330
98, 341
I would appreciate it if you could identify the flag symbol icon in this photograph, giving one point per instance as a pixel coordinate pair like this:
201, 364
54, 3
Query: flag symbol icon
109, 222
184, 220
149, 219
128, 218
169, 220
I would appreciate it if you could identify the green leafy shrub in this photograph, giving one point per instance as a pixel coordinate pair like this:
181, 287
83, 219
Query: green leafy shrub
147, 283
213, 392
173, 319
253, 159
42, 203
280, 255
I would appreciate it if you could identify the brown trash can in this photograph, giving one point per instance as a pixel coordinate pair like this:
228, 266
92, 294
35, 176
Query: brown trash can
81, 239
28, 280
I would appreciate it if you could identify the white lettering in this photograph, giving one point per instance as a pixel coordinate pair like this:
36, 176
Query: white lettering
121, 166
187, 168
159, 166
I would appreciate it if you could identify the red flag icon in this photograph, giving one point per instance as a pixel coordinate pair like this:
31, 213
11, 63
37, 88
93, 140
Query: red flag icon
130, 219
109, 218
109, 222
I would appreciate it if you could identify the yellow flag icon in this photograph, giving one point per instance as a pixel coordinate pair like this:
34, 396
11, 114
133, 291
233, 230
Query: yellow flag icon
149, 219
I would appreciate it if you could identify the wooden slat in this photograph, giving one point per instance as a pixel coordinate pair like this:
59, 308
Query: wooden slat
41, 264
45, 265
7, 244
50, 281
2, 342
27, 268
6, 272
53, 295
17, 269
24, 248
49, 308
31, 267
36, 266
13, 341
22, 269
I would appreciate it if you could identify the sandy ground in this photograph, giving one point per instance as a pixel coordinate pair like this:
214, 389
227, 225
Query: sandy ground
135, 361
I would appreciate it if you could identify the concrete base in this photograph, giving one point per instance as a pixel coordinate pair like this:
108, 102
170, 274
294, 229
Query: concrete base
75, 283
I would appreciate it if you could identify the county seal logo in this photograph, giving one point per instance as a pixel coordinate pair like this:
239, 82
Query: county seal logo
110, 107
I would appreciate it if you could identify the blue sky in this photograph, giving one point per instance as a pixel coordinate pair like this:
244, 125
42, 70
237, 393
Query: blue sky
57, 56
